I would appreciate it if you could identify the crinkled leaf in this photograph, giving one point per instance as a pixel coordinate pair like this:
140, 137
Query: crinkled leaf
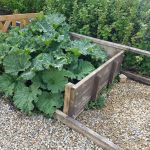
44, 61
37, 79
4, 49
40, 56
55, 20
79, 47
48, 102
55, 79
25, 96
85, 47
28, 75
13, 63
98, 54
81, 69
7, 84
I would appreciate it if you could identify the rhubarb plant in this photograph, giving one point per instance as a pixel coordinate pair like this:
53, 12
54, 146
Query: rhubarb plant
38, 60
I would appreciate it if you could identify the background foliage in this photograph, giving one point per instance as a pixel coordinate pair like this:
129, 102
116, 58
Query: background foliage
121, 21
22, 6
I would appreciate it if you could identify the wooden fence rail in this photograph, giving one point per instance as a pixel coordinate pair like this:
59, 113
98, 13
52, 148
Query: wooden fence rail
112, 45
12, 20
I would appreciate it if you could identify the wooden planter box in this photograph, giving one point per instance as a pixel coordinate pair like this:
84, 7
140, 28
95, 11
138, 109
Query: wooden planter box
78, 95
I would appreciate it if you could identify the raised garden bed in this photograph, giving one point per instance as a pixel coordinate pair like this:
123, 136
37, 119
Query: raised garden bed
78, 95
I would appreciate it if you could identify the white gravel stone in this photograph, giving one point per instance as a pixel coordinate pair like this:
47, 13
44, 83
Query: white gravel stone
21, 132
125, 120
126, 117
122, 78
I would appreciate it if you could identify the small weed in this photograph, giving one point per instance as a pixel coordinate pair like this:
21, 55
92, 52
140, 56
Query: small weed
102, 97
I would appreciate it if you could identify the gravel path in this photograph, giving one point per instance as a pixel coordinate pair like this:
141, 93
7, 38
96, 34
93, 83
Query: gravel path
125, 120
126, 117
19, 132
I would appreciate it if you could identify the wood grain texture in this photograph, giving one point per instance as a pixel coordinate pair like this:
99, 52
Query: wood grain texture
95, 87
112, 45
67, 97
138, 78
90, 134
87, 89
12, 19
6, 26
17, 16
14, 23
1, 25
114, 68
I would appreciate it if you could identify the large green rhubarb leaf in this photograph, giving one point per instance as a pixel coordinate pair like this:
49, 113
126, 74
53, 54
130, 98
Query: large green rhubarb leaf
56, 79
4, 49
13, 63
80, 47
28, 75
45, 61
7, 84
48, 103
85, 47
25, 96
81, 69
55, 20
42, 61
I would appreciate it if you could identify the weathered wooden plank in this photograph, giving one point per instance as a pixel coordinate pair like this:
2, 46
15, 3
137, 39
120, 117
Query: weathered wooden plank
25, 22
6, 25
141, 79
98, 69
95, 137
113, 71
112, 45
8, 19
95, 87
83, 90
67, 98
21, 24
83, 93
1, 25
14, 23
17, 16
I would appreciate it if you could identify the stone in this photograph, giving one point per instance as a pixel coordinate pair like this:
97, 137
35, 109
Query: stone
122, 78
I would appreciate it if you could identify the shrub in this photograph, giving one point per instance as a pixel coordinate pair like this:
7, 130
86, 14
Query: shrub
23, 6
121, 21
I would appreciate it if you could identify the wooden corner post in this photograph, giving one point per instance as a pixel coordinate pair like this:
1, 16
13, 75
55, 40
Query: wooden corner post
69, 96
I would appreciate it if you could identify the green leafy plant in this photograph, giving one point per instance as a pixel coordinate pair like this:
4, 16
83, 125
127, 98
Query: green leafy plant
137, 63
22, 6
101, 99
98, 103
38, 60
